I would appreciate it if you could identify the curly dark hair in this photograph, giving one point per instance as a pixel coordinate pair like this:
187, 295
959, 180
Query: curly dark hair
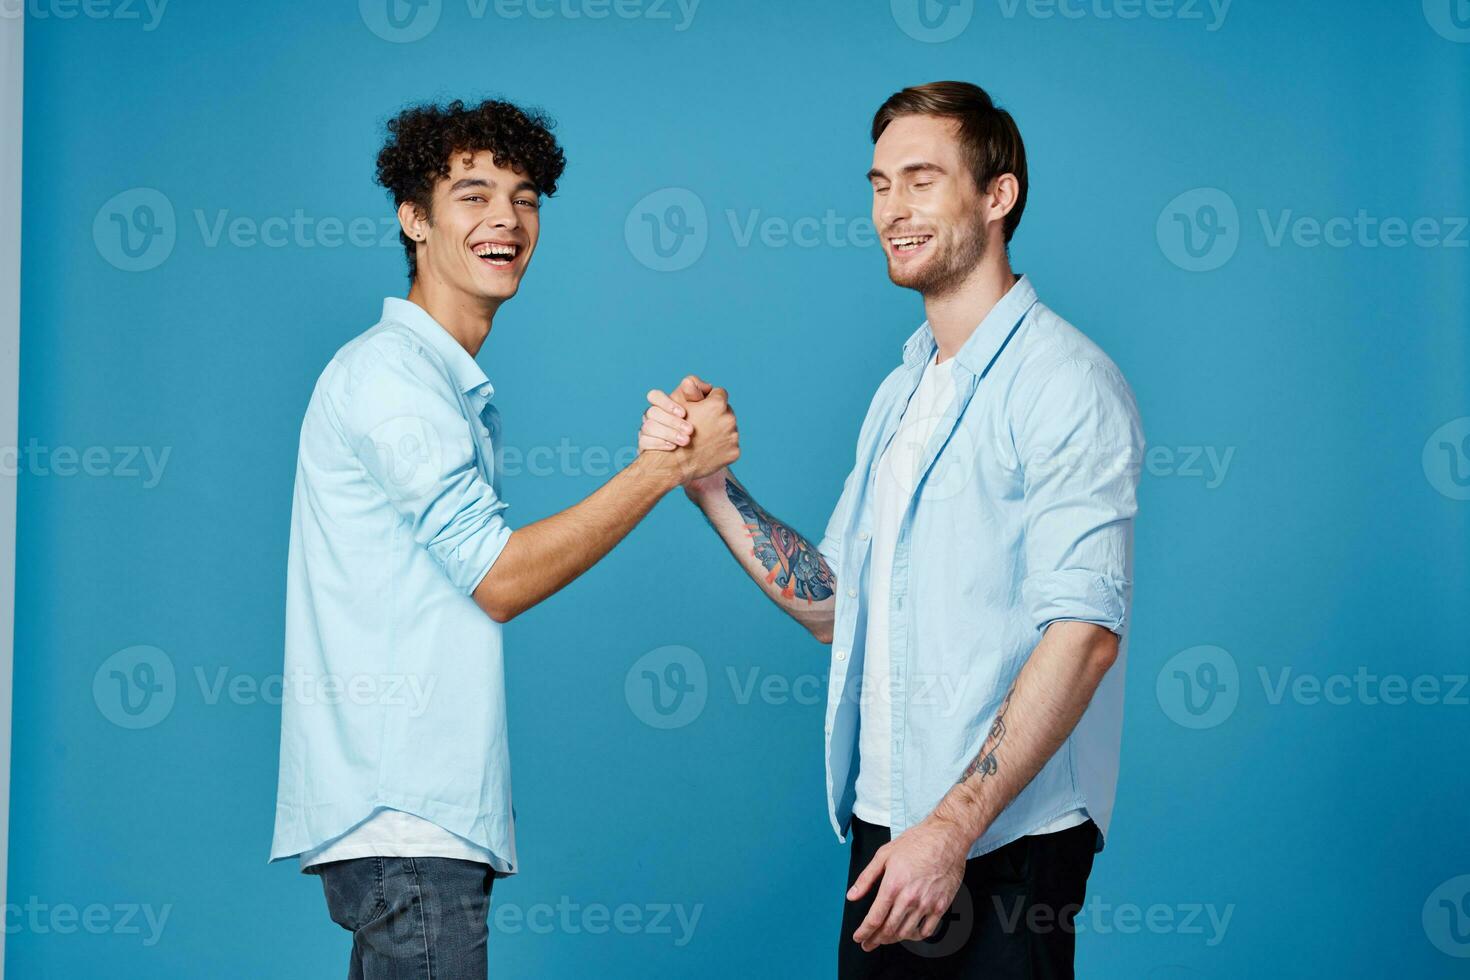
424, 138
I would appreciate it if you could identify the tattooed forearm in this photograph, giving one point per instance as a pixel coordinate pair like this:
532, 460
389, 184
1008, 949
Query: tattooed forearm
791, 563
986, 762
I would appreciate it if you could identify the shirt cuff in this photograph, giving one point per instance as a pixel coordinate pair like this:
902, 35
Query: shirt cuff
1079, 595
829, 549
472, 560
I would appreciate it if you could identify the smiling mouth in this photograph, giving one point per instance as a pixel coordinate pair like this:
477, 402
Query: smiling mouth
908, 244
498, 254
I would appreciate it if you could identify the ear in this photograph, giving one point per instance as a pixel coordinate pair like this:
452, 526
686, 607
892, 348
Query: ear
1001, 196
413, 221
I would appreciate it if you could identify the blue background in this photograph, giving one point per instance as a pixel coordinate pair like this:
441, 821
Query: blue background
1328, 545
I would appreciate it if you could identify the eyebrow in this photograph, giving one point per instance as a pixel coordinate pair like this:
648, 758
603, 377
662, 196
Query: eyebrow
912, 168
465, 183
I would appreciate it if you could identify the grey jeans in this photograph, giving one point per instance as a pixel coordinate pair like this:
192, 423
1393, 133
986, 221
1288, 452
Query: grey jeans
411, 918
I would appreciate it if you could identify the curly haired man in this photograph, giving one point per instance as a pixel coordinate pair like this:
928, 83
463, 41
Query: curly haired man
395, 771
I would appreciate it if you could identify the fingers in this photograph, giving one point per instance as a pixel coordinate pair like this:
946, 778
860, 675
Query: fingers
657, 422
664, 424
694, 387
654, 442
930, 925
910, 930
662, 401
875, 923
903, 916
870, 874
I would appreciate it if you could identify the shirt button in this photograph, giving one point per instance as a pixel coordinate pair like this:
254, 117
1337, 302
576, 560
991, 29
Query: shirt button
852, 592
841, 655
863, 536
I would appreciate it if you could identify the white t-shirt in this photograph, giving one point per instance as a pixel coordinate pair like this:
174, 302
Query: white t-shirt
394, 833
898, 471
898, 474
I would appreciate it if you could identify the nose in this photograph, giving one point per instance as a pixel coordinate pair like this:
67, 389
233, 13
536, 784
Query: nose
503, 215
891, 208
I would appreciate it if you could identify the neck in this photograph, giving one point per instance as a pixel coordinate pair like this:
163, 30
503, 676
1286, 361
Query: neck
467, 319
955, 313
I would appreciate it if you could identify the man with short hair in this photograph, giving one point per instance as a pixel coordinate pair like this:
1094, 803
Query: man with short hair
974, 581
395, 772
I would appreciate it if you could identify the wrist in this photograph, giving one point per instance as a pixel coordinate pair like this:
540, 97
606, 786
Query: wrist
707, 487
661, 467
958, 833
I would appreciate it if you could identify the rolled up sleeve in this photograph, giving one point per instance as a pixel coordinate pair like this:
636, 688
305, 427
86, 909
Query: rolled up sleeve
1080, 444
402, 419
831, 545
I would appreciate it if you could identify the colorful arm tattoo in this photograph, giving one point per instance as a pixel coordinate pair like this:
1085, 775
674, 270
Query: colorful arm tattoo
791, 562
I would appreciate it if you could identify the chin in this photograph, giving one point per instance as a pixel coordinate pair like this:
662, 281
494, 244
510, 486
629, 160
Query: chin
909, 277
500, 291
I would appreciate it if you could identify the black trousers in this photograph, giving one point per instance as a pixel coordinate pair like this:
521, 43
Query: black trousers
1012, 919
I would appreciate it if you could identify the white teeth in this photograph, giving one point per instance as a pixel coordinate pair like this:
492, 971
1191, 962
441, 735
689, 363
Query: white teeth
495, 251
909, 241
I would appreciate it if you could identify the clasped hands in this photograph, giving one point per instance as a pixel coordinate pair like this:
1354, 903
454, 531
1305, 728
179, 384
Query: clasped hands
697, 426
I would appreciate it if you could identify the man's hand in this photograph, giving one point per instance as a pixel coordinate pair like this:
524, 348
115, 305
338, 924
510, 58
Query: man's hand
921, 870
667, 426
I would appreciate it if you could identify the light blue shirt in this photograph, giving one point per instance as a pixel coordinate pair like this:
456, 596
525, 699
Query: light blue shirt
394, 687
1022, 516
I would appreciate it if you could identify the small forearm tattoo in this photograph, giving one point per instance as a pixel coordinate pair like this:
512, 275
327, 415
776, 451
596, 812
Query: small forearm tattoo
986, 763
791, 563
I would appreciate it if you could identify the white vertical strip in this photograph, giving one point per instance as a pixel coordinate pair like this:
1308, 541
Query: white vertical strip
12, 76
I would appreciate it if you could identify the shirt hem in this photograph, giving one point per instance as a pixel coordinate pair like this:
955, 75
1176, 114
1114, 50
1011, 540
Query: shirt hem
302, 829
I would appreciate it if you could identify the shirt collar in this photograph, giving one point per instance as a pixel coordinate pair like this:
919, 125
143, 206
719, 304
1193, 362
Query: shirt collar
462, 367
989, 337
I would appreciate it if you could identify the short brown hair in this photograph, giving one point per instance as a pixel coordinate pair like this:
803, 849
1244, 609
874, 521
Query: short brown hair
987, 133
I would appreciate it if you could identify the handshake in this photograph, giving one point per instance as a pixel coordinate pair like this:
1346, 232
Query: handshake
696, 427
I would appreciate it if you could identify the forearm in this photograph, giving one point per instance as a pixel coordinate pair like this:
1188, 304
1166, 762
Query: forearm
787, 567
1042, 708
541, 558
